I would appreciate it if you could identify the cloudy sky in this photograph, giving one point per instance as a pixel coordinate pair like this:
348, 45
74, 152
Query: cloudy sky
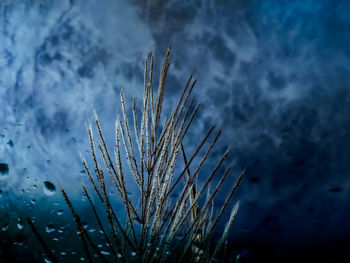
273, 75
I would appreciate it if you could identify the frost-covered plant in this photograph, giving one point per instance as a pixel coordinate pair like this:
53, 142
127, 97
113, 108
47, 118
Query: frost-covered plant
157, 228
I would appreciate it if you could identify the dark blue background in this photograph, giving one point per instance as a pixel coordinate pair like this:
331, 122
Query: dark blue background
273, 75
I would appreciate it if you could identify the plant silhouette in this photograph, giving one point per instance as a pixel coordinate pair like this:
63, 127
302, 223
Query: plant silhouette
157, 228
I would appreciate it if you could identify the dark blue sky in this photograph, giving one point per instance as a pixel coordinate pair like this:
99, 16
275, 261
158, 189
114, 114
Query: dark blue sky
273, 75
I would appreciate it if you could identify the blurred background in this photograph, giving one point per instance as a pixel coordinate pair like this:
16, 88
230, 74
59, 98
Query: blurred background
273, 75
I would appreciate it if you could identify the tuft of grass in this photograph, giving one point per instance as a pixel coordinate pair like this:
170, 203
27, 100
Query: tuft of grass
157, 228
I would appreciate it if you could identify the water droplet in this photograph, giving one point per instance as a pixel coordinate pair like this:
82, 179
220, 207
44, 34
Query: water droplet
105, 253
133, 253
19, 224
60, 212
47, 260
49, 188
18, 243
33, 201
50, 228
5, 227
10, 143
119, 255
4, 171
